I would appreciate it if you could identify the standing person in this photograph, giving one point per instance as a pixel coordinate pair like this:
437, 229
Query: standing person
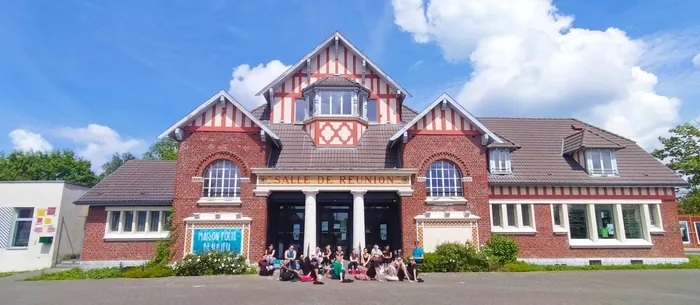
270, 254
418, 253
365, 257
339, 254
354, 260
387, 256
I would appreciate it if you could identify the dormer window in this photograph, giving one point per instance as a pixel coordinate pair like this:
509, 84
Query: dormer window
337, 102
499, 161
601, 162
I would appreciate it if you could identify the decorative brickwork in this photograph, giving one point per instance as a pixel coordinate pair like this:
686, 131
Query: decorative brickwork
464, 151
96, 249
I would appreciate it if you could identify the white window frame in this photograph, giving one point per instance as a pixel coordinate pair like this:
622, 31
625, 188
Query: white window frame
593, 241
375, 119
612, 172
296, 108
499, 161
697, 234
236, 182
518, 228
162, 233
442, 192
659, 227
353, 97
15, 220
563, 217
688, 230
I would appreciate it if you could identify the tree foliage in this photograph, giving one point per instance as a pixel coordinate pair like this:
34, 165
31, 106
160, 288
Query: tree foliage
682, 153
56, 165
117, 161
165, 149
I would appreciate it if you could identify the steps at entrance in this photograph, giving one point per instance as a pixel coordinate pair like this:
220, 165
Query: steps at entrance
67, 264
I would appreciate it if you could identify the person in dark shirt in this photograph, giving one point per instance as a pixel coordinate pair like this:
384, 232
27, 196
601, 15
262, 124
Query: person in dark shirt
387, 256
412, 270
265, 268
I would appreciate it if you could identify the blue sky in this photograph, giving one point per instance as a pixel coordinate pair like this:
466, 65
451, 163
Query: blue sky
107, 76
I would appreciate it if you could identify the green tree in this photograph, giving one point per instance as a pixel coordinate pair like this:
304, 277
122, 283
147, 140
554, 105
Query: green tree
115, 163
682, 153
165, 149
56, 165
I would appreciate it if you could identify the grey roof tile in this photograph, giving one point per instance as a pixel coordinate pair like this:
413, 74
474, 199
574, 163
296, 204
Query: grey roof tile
136, 182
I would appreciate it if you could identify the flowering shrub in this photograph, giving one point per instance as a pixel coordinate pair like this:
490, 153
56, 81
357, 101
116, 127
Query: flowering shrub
211, 263
455, 257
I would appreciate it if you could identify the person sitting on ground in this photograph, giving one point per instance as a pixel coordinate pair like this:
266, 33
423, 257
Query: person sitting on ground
376, 250
365, 257
374, 271
402, 271
399, 253
354, 263
270, 254
412, 270
327, 256
387, 256
418, 253
361, 274
390, 273
264, 267
339, 254
337, 271
319, 255
287, 273
290, 256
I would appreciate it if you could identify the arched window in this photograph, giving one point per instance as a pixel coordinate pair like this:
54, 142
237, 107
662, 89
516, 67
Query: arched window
443, 180
222, 179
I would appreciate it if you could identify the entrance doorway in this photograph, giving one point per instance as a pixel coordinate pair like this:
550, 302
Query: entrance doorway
382, 220
335, 221
285, 222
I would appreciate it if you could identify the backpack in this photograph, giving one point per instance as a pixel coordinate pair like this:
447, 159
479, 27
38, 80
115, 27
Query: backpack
287, 276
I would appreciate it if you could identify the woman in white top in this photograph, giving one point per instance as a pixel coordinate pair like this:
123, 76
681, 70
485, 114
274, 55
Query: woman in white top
376, 251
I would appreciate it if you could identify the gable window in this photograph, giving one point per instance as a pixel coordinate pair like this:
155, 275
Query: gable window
299, 110
499, 161
22, 227
137, 223
222, 179
372, 111
443, 180
336, 102
512, 218
601, 162
655, 218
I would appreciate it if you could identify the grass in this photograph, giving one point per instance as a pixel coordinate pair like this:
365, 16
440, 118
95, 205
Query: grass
6, 274
694, 263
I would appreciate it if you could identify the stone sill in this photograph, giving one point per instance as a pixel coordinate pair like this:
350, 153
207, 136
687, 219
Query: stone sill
609, 244
445, 200
205, 201
136, 237
513, 231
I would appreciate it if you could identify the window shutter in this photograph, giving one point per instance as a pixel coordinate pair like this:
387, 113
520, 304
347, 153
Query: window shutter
6, 221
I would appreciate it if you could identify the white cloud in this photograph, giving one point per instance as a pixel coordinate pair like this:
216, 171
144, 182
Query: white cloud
247, 81
24, 140
527, 56
696, 61
99, 143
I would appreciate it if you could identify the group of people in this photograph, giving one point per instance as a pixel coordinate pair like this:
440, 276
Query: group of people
372, 264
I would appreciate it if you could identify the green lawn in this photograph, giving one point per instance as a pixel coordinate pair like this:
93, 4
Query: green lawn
6, 274
694, 263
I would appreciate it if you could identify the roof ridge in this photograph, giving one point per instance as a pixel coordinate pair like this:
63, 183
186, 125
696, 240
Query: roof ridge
603, 130
525, 118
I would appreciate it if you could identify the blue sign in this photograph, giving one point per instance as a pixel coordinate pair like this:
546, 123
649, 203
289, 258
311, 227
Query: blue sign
229, 240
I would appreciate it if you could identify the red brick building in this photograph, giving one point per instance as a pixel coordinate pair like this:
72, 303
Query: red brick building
335, 157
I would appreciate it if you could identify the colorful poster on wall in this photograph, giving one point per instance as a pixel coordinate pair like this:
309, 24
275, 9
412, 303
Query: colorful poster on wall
51, 211
40, 212
48, 221
39, 221
382, 231
225, 239
51, 229
38, 229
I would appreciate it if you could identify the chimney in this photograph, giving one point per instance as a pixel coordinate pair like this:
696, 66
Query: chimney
577, 126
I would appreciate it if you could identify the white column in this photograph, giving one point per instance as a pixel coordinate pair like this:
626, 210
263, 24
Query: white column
358, 220
310, 223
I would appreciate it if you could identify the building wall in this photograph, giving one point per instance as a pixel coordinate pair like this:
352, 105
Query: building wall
469, 156
74, 219
444, 121
196, 152
95, 248
37, 195
693, 231
546, 244
324, 64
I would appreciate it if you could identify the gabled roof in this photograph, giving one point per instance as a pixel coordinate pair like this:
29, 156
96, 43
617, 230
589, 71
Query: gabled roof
448, 99
204, 106
587, 138
321, 46
335, 81
136, 182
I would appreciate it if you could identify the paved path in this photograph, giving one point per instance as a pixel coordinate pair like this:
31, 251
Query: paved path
598, 287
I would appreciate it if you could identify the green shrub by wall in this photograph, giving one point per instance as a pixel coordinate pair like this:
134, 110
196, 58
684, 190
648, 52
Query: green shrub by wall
151, 271
455, 257
211, 263
504, 250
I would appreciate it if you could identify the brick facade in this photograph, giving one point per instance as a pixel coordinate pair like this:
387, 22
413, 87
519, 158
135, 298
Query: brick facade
470, 157
546, 244
199, 150
95, 248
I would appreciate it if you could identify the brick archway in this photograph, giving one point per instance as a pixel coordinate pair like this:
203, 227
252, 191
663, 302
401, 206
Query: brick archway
423, 170
202, 166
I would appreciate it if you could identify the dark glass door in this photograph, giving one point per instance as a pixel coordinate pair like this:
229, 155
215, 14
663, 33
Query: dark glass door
335, 227
285, 222
382, 220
